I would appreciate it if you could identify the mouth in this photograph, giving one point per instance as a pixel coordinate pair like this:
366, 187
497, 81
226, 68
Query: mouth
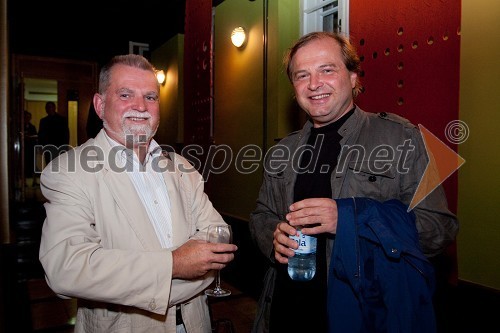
318, 97
137, 118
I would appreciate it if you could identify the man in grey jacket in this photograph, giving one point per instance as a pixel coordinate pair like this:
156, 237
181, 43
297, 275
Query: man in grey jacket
342, 151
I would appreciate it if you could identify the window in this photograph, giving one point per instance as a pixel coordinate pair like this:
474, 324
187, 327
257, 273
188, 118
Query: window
324, 15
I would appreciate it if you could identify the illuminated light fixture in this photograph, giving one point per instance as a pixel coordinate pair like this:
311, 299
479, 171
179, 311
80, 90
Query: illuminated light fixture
238, 37
160, 76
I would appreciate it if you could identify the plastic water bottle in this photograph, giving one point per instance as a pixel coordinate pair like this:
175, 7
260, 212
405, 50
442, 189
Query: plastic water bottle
302, 266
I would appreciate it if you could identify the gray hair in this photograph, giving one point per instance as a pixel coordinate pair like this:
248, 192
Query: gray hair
132, 60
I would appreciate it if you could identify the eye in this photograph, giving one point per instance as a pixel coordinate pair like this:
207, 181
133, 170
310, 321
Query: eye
124, 95
300, 76
152, 98
328, 70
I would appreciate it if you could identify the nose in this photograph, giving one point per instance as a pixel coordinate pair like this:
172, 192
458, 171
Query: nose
315, 82
140, 104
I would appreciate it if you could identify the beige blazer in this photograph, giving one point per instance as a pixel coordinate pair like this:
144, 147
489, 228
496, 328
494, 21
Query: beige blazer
99, 246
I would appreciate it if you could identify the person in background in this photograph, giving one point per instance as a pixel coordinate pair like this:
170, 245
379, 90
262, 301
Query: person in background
30, 141
53, 133
125, 231
94, 123
311, 193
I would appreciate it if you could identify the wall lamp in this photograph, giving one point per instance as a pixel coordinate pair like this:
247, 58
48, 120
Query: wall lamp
160, 76
238, 36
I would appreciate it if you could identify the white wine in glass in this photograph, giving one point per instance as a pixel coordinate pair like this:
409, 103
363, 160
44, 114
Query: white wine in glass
218, 233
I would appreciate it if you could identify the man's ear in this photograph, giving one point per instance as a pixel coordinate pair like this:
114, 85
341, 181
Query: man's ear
99, 105
354, 78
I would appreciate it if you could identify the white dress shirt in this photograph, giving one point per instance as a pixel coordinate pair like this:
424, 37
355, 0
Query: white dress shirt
150, 187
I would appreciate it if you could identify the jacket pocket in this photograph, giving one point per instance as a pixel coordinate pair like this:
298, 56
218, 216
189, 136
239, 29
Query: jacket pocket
102, 321
369, 179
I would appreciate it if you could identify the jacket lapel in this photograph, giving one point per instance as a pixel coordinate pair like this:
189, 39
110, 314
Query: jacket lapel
127, 199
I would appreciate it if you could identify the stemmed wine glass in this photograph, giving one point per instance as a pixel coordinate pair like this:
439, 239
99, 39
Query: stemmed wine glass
218, 233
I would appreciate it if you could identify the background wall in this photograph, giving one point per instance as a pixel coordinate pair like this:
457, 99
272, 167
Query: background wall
409, 68
239, 94
169, 57
284, 114
238, 102
479, 180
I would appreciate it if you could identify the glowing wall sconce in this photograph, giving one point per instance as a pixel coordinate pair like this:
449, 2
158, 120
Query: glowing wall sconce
160, 76
238, 36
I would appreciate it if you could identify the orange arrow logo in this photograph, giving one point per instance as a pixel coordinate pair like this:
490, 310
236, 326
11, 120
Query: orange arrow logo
443, 161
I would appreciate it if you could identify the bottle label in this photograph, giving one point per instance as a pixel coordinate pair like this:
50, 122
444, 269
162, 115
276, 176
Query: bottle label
307, 244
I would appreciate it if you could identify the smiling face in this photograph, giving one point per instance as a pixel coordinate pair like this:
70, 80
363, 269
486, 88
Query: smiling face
323, 85
130, 107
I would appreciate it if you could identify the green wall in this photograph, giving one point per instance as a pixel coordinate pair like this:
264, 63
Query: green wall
284, 115
238, 102
479, 178
239, 94
170, 58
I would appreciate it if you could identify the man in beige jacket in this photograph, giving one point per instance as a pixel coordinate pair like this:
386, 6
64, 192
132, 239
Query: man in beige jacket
126, 222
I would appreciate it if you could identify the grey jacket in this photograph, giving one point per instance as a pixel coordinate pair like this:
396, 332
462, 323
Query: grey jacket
383, 157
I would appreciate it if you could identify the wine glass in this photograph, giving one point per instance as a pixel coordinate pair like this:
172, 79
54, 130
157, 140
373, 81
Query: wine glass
218, 233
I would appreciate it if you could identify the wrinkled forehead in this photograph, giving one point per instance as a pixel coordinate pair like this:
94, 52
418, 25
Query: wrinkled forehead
123, 76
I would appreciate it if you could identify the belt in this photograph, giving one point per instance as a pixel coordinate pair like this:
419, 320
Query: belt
178, 316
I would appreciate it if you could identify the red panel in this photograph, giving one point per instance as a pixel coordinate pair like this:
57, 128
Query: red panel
198, 97
411, 62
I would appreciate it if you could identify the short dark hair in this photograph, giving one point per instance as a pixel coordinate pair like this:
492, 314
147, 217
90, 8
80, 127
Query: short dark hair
50, 103
349, 54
